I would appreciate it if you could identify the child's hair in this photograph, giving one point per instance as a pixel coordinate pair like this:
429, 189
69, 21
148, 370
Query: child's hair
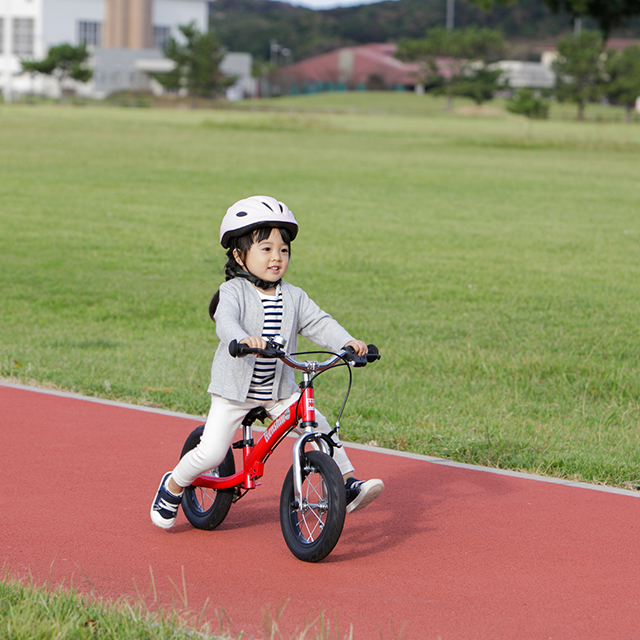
232, 268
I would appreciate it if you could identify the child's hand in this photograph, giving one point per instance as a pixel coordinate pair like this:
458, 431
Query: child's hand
358, 346
255, 342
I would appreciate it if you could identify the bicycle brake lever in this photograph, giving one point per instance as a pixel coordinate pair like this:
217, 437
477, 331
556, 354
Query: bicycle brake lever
353, 358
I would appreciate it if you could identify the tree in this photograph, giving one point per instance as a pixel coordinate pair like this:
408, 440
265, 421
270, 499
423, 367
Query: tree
468, 52
607, 13
197, 67
479, 84
579, 69
64, 62
525, 102
623, 77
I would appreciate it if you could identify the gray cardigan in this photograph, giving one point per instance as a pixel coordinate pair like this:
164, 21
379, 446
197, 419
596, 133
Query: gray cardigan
240, 314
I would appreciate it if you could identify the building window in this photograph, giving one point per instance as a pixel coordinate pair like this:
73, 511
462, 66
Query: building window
90, 33
160, 36
1, 35
23, 36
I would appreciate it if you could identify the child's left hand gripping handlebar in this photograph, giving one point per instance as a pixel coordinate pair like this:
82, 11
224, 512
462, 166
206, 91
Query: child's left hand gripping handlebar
360, 361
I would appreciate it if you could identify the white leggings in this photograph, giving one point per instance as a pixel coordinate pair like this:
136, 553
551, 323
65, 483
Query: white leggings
224, 419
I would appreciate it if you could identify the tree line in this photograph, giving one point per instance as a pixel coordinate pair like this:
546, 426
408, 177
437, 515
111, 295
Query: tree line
584, 70
459, 62
251, 25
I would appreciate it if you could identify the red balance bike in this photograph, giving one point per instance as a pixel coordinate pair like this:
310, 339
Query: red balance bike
312, 501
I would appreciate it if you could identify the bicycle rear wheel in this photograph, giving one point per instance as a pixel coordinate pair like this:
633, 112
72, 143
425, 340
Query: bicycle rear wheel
206, 508
312, 529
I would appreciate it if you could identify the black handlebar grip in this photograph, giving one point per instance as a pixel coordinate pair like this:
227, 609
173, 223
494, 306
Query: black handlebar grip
373, 353
238, 350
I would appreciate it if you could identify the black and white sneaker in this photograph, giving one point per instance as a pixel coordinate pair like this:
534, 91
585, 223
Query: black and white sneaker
165, 506
360, 493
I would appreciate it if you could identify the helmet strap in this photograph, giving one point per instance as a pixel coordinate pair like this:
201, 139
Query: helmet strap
237, 272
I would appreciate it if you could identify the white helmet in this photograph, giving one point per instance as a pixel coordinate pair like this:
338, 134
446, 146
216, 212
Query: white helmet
253, 213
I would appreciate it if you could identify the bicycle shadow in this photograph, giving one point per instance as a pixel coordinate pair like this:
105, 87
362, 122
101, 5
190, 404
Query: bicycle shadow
412, 506
254, 511
417, 495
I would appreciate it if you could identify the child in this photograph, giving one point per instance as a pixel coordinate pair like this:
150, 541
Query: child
251, 306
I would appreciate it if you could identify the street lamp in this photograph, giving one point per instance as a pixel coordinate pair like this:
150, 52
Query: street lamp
275, 49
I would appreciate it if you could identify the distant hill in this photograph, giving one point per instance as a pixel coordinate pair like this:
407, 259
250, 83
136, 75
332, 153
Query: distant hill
249, 25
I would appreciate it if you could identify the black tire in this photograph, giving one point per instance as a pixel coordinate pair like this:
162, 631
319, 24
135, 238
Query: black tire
312, 530
206, 508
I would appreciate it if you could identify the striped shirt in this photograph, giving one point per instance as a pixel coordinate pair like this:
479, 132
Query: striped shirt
264, 370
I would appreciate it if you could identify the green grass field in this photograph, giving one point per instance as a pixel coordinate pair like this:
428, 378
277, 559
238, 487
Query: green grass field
408, 104
494, 260
44, 612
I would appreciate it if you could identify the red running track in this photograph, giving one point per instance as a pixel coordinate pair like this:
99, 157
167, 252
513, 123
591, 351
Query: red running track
448, 551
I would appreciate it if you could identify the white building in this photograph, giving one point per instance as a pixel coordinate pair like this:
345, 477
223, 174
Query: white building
125, 37
530, 75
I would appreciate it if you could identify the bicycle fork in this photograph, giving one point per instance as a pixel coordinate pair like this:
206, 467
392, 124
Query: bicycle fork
319, 440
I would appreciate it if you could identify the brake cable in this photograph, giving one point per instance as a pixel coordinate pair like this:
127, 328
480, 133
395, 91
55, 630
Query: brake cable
344, 363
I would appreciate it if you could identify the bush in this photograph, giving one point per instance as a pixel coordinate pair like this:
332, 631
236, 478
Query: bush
375, 82
525, 102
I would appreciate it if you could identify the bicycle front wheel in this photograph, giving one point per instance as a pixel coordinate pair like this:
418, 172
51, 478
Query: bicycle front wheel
206, 508
312, 529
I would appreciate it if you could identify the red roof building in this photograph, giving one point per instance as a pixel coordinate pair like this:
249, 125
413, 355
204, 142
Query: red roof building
371, 66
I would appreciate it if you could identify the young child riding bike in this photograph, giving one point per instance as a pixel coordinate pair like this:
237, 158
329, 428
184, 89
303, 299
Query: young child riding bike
253, 305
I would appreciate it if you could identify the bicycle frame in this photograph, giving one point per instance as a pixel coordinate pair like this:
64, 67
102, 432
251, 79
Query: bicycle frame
313, 496
255, 456
301, 413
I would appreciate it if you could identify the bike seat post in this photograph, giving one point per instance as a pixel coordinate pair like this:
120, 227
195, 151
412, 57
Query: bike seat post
247, 434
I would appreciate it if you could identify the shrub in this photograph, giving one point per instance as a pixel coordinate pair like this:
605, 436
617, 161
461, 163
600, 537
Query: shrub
375, 82
526, 103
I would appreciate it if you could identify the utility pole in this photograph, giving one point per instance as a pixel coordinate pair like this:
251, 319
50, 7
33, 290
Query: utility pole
451, 9
274, 49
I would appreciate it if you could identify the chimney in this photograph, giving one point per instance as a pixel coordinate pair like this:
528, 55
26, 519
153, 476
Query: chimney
127, 24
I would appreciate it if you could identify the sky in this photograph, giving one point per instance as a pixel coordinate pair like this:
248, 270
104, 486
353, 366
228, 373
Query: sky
328, 4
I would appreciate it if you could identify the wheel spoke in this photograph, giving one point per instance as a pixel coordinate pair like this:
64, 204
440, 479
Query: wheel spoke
206, 508
204, 499
311, 517
312, 523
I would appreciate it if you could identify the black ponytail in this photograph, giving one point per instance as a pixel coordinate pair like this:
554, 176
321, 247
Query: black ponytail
213, 305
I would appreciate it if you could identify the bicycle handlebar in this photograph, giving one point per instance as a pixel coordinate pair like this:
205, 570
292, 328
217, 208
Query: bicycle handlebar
273, 350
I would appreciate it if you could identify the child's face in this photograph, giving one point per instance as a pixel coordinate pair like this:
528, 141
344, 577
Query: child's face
269, 259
